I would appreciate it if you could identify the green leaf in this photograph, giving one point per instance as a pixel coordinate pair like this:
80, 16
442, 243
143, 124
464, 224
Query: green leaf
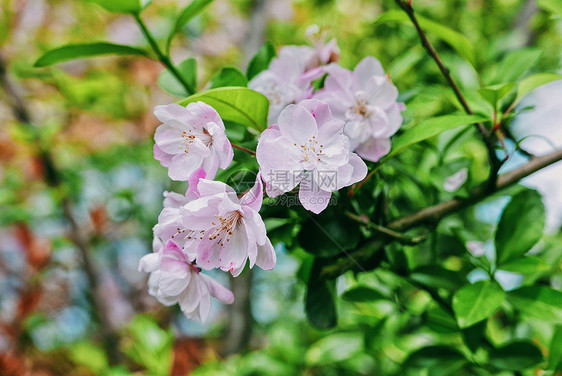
520, 227
90, 356
437, 277
553, 6
237, 104
540, 302
261, 60
532, 82
515, 64
319, 300
328, 234
121, 6
429, 128
229, 76
495, 93
188, 70
456, 40
361, 293
190, 11
80, 50
526, 265
474, 303
516, 356
334, 348
555, 353
436, 357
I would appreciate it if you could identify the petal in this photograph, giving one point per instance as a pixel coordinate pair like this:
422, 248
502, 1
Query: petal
266, 256
367, 68
204, 300
183, 165
208, 254
149, 263
359, 168
254, 197
318, 109
373, 149
298, 124
234, 252
381, 91
208, 187
217, 290
314, 199
192, 191
164, 158
171, 285
190, 298
255, 223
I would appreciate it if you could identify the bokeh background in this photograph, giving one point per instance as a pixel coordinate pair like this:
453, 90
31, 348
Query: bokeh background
94, 119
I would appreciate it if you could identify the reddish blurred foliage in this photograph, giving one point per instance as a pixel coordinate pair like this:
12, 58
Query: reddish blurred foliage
7, 148
146, 72
189, 353
37, 252
99, 218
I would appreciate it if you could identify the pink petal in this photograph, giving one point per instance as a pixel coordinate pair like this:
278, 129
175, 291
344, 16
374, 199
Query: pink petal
314, 199
217, 290
254, 197
367, 68
266, 256
298, 124
373, 149
318, 109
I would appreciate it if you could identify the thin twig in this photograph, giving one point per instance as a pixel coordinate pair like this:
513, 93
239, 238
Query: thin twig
488, 138
389, 233
164, 59
434, 214
244, 149
52, 177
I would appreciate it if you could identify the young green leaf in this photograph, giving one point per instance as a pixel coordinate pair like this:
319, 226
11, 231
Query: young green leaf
520, 227
495, 93
516, 356
190, 11
458, 41
229, 76
515, 64
121, 6
476, 302
80, 50
188, 70
261, 60
429, 128
435, 276
532, 82
237, 104
526, 265
540, 302
555, 354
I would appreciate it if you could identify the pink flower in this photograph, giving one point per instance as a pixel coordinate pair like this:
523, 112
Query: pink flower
226, 230
308, 147
289, 76
174, 279
169, 225
366, 100
191, 137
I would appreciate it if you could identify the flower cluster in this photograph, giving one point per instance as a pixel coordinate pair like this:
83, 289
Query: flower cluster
316, 141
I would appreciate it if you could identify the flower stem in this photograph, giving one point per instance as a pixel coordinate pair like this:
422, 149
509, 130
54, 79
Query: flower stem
164, 59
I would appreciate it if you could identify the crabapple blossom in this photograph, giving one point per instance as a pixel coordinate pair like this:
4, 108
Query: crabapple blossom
226, 230
174, 279
289, 76
308, 147
191, 137
367, 101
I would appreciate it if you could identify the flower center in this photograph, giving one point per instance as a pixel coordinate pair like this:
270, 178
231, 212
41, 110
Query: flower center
224, 227
360, 107
188, 138
311, 152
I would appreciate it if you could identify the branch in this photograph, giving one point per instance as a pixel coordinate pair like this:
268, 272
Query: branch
164, 59
436, 213
244, 149
489, 141
52, 178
